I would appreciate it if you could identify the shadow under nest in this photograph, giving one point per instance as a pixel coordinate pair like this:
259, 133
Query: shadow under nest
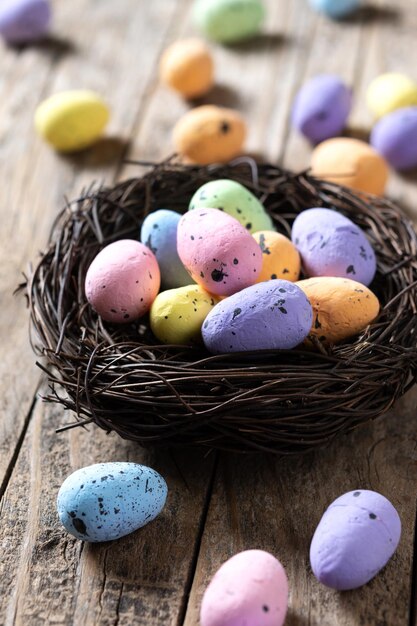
277, 401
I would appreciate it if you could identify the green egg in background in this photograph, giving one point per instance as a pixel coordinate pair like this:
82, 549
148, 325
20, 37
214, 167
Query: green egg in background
229, 21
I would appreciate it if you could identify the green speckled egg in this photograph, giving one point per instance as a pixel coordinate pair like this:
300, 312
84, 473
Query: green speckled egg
229, 21
234, 199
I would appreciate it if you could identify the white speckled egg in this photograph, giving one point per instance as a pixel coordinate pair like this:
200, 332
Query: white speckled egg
109, 500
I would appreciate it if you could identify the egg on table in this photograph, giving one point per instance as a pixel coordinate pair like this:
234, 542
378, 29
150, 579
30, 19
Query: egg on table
355, 539
389, 92
350, 162
394, 136
176, 315
159, 234
106, 501
330, 244
218, 252
209, 134
336, 9
250, 588
321, 107
187, 67
71, 120
280, 258
229, 21
236, 200
24, 21
122, 281
342, 307
271, 315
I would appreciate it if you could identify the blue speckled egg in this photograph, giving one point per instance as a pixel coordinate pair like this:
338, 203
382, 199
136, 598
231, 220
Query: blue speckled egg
330, 244
109, 500
159, 234
272, 315
336, 9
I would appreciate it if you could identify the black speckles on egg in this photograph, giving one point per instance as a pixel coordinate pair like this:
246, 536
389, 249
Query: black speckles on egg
350, 269
113, 310
126, 316
285, 270
357, 494
248, 225
317, 323
372, 516
265, 608
80, 526
273, 276
218, 275
236, 312
264, 247
202, 274
192, 237
224, 127
235, 261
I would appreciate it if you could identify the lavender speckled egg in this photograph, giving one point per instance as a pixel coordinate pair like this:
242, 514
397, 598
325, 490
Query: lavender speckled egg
24, 21
122, 281
218, 252
159, 234
330, 244
321, 107
250, 588
109, 500
395, 138
271, 315
355, 539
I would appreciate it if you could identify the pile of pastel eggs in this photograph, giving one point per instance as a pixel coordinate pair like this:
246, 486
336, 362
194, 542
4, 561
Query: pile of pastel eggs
231, 281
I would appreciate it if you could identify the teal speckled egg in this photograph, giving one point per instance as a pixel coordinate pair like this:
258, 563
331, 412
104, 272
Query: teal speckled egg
234, 199
229, 21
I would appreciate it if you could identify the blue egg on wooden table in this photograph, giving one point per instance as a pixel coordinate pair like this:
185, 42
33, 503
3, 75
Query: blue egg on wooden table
272, 315
330, 244
394, 136
24, 21
109, 500
159, 234
355, 539
336, 9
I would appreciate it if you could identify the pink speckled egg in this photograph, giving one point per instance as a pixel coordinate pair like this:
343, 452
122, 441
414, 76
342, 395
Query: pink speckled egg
250, 588
217, 251
122, 281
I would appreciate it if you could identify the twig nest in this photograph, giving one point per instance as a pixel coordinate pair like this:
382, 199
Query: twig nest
24, 21
187, 67
395, 137
229, 21
389, 92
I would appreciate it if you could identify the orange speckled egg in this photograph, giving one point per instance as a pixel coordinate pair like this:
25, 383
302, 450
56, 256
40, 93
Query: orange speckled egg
187, 67
209, 134
341, 307
280, 258
352, 163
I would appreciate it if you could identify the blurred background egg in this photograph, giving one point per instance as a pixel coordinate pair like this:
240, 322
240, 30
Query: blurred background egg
394, 136
187, 67
389, 92
229, 21
336, 9
24, 21
280, 258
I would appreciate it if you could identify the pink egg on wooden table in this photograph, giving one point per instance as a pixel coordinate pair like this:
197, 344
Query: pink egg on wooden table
122, 281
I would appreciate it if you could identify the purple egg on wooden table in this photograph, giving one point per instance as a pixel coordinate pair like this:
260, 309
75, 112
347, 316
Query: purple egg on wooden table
395, 138
24, 21
355, 539
321, 107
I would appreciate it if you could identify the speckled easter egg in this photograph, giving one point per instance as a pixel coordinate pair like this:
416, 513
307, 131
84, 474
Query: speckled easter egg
177, 315
71, 120
209, 134
109, 500
330, 244
122, 281
280, 258
24, 21
236, 200
218, 252
229, 21
395, 138
342, 307
271, 315
350, 162
355, 539
250, 588
159, 234
389, 92
336, 9
321, 107
187, 66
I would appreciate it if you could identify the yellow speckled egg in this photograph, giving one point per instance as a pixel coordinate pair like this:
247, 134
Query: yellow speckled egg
350, 162
187, 67
280, 258
389, 92
210, 134
177, 315
341, 307
71, 120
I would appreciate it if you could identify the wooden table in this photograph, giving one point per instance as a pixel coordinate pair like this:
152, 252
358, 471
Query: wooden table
218, 504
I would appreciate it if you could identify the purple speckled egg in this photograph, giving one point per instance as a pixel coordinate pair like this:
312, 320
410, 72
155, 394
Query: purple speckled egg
24, 21
217, 251
272, 315
322, 107
330, 244
355, 539
395, 138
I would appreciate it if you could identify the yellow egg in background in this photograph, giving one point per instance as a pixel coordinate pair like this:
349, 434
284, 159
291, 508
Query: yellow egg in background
389, 92
342, 307
280, 258
187, 67
71, 120
352, 163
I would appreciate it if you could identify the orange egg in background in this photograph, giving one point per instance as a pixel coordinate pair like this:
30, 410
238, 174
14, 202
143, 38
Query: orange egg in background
280, 258
187, 67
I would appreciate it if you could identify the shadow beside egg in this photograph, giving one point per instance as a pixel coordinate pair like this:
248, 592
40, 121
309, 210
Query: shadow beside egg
371, 13
105, 151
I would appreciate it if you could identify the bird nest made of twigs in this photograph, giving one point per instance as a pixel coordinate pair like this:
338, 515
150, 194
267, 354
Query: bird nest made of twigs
123, 379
